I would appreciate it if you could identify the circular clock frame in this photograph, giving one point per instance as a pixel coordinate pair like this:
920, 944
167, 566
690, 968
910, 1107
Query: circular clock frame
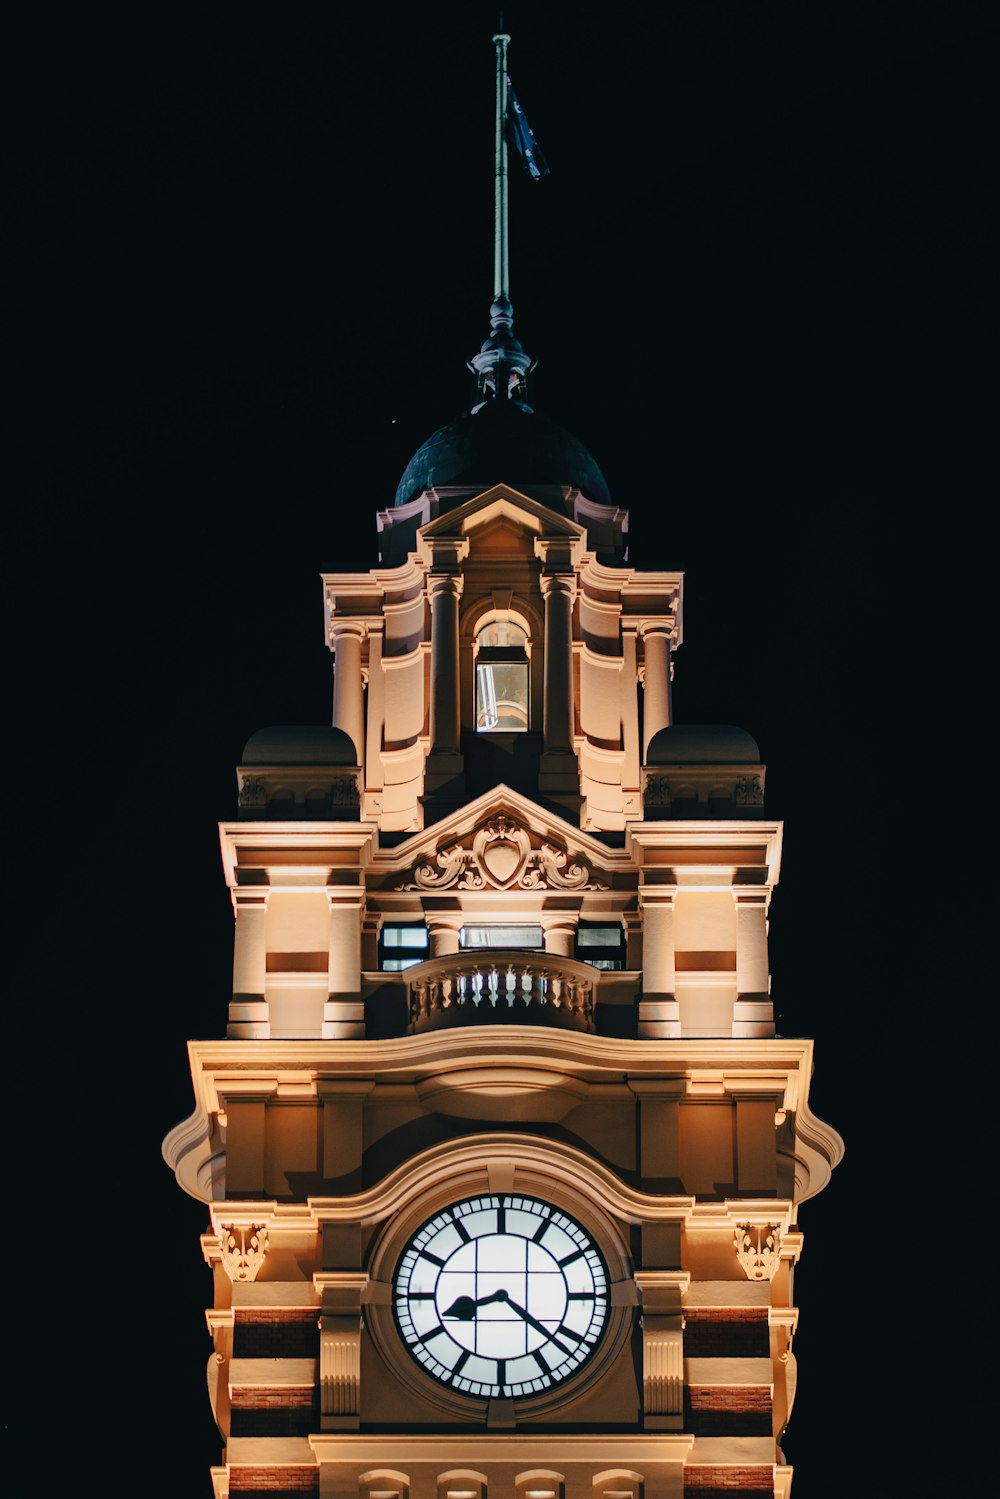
463, 1185
501, 1296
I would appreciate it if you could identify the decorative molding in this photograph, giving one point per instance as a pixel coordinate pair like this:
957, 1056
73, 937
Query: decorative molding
662, 1368
501, 858
339, 1367
759, 1261
658, 791
244, 1248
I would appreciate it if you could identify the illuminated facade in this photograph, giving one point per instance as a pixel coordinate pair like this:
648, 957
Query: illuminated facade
502, 1155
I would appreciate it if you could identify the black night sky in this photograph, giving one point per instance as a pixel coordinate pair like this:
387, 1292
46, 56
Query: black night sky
252, 256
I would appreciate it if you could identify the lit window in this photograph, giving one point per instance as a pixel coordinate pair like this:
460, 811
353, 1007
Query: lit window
401, 946
501, 678
524, 938
601, 946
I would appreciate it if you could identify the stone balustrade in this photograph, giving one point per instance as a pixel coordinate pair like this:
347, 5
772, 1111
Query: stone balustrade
501, 988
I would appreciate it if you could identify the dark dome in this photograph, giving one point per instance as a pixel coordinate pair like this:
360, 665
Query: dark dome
702, 744
502, 442
299, 744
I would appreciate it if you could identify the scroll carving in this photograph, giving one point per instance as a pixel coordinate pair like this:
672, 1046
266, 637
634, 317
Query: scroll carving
501, 858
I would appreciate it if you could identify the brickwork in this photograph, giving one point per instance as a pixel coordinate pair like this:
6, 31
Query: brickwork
721, 1483
291, 1332
728, 1410
277, 1412
726, 1332
271, 1483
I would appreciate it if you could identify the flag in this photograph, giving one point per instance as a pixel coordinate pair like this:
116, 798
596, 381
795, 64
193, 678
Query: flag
521, 137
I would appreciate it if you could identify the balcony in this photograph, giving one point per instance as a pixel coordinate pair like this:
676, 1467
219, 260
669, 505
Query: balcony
502, 988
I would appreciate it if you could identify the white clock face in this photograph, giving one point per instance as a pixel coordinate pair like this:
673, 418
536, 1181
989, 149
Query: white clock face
501, 1296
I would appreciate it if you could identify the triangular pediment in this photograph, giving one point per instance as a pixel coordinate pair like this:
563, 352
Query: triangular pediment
500, 841
501, 502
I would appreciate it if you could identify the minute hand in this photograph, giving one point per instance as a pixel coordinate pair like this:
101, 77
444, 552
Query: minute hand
538, 1326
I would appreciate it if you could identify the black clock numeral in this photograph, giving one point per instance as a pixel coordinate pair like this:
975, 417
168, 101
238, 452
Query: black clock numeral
571, 1258
501, 1371
501, 1219
425, 1254
542, 1228
462, 1231
580, 1296
435, 1332
460, 1362
420, 1295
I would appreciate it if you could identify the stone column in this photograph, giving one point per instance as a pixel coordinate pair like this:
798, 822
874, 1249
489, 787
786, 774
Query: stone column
559, 591
344, 1012
753, 1013
348, 687
443, 933
444, 779
560, 935
659, 1012
657, 708
249, 1019
445, 590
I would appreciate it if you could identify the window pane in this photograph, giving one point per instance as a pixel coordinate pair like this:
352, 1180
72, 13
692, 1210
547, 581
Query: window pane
599, 936
525, 937
502, 695
502, 633
404, 936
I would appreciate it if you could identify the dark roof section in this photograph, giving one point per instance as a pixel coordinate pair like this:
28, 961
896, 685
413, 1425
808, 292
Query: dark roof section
299, 744
702, 744
502, 442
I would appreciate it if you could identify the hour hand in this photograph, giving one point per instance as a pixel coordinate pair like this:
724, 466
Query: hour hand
464, 1308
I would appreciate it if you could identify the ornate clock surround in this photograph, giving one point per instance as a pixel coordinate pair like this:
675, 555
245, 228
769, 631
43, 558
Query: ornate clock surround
480, 1180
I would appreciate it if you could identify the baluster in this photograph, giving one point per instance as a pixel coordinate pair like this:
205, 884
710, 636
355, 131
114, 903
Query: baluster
447, 986
558, 997
477, 987
511, 985
494, 985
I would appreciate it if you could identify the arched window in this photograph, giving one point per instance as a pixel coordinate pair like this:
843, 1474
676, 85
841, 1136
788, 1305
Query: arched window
501, 678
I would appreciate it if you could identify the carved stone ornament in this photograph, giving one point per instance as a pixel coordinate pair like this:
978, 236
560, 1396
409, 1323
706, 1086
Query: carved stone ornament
501, 858
748, 792
253, 792
658, 791
758, 1249
244, 1247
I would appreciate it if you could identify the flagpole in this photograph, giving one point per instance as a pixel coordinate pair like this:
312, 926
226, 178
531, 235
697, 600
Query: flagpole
500, 262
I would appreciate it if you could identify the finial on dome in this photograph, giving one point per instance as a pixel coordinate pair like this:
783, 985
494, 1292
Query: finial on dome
501, 366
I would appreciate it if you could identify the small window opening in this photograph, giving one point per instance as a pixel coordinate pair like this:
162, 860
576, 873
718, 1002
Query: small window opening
400, 947
501, 678
602, 946
522, 938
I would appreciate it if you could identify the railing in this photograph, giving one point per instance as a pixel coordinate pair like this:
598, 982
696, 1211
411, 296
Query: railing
501, 989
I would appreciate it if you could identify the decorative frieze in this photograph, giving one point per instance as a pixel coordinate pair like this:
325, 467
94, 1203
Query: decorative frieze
501, 857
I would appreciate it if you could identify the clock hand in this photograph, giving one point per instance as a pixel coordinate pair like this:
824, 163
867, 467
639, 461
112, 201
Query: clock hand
463, 1309
546, 1332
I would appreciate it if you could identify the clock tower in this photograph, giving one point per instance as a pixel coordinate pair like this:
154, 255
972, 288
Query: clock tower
501, 1154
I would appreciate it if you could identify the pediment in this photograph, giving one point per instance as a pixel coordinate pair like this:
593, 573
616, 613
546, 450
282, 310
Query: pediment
517, 510
501, 841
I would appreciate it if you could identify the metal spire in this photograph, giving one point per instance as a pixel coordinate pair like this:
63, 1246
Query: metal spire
501, 266
501, 364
